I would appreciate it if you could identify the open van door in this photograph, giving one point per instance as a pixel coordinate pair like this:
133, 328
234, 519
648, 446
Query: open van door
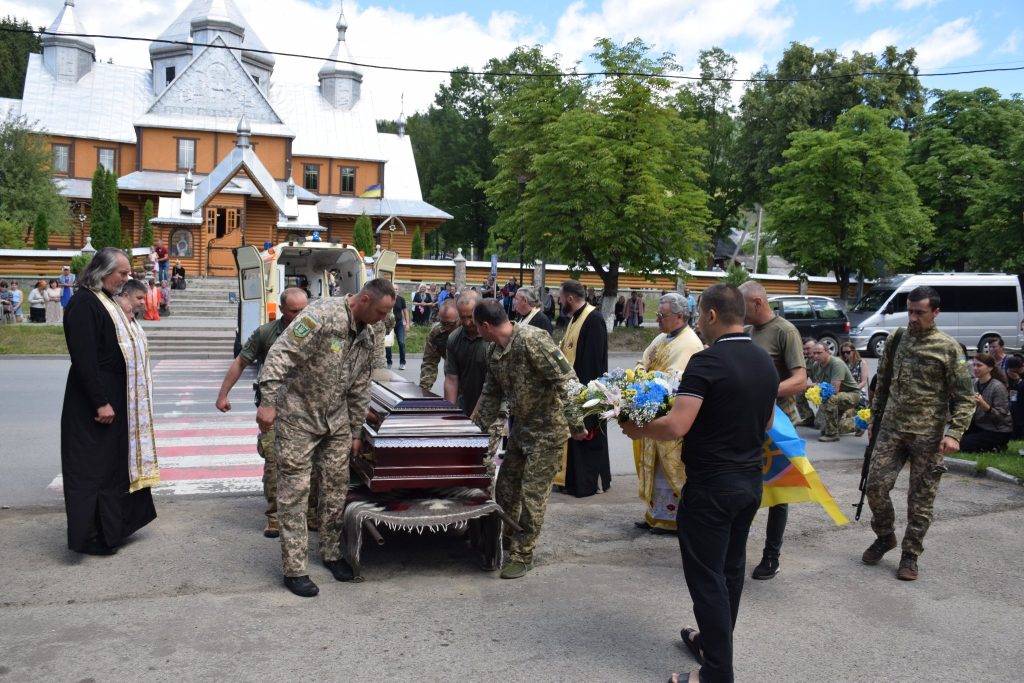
252, 292
385, 266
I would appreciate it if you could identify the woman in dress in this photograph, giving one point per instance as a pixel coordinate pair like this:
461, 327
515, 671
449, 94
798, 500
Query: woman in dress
67, 284
54, 311
108, 450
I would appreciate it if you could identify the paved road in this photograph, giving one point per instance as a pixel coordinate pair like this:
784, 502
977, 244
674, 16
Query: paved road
201, 451
196, 596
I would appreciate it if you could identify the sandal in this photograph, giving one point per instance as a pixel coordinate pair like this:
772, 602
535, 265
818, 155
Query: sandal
692, 643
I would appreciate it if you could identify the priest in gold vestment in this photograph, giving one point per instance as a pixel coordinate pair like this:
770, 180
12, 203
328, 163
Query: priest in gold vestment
659, 464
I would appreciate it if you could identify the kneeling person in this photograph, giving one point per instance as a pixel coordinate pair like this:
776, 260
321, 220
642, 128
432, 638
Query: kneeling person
838, 409
315, 389
525, 369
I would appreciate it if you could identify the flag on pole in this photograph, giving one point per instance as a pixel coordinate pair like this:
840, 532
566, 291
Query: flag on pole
373, 192
789, 476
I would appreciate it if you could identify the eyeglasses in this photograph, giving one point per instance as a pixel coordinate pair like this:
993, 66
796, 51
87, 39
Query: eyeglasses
662, 316
846, 352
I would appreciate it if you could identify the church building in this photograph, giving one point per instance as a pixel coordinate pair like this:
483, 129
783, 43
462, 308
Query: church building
227, 154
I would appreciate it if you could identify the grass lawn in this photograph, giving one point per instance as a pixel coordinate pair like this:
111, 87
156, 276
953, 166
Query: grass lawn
28, 339
1010, 461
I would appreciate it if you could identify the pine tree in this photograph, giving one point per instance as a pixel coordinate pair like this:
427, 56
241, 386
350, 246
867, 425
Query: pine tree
99, 215
147, 225
362, 236
41, 232
417, 244
735, 275
762, 263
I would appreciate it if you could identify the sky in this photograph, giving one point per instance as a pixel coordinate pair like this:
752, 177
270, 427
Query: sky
948, 34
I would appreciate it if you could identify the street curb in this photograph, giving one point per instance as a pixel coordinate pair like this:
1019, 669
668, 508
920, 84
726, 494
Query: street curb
969, 467
30, 356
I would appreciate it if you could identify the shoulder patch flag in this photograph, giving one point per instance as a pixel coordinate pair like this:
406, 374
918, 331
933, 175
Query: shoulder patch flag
303, 327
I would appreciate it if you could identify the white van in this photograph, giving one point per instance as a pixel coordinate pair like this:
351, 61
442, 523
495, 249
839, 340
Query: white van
975, 308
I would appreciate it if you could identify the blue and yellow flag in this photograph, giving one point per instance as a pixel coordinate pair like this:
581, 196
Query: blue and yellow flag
789, 476
373, 192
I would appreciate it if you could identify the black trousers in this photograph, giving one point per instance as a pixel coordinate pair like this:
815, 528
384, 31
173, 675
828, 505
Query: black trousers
713, 534
778, 515
978, 440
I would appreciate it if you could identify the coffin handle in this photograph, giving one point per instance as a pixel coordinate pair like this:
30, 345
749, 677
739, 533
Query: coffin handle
371, 529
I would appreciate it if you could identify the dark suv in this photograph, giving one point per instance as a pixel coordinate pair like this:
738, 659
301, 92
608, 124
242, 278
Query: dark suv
818, 317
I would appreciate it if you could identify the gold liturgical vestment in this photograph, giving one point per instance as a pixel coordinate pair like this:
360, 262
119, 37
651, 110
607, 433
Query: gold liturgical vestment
659, 464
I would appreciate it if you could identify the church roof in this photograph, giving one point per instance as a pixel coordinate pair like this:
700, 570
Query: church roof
67, 22
323, 130
181, 28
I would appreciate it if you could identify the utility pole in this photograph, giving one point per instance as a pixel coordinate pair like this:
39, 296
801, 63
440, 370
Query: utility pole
757, 238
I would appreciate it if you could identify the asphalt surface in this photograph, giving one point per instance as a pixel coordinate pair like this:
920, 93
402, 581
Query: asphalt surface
33, 392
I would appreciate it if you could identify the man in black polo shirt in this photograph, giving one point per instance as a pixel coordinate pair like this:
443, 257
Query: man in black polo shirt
724, 406
465, 365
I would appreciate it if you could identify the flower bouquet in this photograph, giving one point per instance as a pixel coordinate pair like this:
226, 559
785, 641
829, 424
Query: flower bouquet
819, 393
862, 419
637, 396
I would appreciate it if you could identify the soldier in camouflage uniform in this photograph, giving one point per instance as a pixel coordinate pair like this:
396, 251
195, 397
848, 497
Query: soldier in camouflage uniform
838, 409
437, 343
318, 375
928, 406
255, 350
527, 371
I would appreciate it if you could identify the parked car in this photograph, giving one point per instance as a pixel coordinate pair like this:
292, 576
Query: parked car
975, 309
818, 317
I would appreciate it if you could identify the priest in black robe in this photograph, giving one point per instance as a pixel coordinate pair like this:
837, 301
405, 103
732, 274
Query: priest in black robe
585, 344
94, 423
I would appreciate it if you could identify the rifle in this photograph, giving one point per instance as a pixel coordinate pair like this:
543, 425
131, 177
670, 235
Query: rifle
876, 418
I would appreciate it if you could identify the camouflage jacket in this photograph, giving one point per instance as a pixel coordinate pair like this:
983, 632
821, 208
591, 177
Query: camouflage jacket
381, 330
322, 362
434, 349
532, 376
930, 386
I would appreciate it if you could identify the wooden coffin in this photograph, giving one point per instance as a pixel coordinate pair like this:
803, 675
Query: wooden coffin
414, 439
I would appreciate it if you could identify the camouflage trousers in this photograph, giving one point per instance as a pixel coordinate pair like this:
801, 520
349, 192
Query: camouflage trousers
892, 450
789, 407
266, 446
838, 412
522, 490
295, 449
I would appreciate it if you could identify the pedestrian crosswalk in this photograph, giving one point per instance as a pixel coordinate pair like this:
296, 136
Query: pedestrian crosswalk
201, 450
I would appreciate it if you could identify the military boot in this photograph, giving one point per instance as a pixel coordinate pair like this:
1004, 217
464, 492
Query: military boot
882, 545
908, 567
515, 570
272, 530
302, 586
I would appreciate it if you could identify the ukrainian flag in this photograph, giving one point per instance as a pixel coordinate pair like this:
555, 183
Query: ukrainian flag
789, 476
373, 192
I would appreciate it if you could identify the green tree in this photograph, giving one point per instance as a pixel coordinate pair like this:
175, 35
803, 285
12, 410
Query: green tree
16, 42
843, 201
11, 234
709, 101
417, 243
961, 145
146, 240
105, 216
41, 232
26, 181
997, 216
735, 275
614, 182
455, 156
362, 236
762, 263
771, 110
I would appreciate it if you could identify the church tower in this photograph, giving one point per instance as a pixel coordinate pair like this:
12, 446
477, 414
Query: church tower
203, 21
340, 84
66, 56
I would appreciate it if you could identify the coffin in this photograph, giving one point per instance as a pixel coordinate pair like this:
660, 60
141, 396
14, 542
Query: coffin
414, 439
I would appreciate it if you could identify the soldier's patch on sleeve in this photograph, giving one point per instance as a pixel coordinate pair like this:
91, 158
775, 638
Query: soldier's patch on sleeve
563, 364
305, 325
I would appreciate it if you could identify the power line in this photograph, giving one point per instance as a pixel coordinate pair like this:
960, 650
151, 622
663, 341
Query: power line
514, 74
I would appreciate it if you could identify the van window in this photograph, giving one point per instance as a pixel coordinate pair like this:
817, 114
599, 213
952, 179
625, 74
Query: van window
828, 310
988, 299
797, 310
873, 300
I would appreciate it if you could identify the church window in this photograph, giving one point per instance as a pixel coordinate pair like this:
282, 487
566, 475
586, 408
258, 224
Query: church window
348, 180
169, 74
107, 158
62, 159
256, 79
311, 177
186, 154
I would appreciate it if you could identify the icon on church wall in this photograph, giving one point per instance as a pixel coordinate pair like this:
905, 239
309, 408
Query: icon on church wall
181, 243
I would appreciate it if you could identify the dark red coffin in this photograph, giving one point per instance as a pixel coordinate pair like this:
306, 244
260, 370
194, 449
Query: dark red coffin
417, 440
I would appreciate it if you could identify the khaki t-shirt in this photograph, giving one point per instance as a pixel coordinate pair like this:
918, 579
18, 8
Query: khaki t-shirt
835, 371
782, 341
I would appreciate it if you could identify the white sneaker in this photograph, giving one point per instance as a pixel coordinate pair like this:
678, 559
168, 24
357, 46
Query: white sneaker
402, 366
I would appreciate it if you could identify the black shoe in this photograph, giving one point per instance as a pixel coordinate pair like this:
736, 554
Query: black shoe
98, 548
643, 525
340, 569
883, 544
768, 568
302, 586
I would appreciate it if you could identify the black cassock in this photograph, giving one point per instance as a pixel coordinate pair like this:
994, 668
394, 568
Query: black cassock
587, 461
93, 456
